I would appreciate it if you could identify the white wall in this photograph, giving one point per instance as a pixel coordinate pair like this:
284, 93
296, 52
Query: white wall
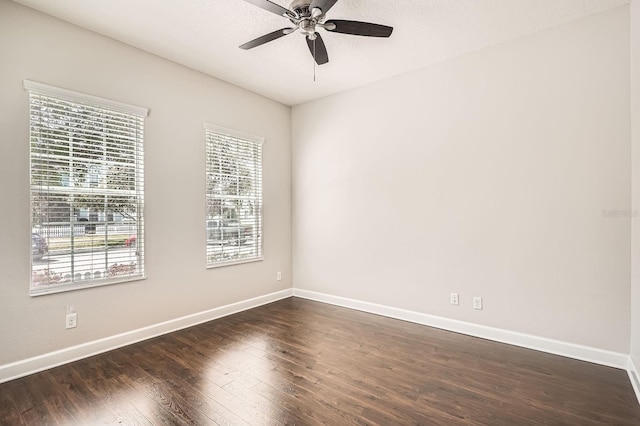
40, 48
485, 175
635, 141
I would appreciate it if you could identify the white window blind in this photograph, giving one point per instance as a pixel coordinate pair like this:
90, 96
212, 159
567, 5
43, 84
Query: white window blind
234, 196
87, 190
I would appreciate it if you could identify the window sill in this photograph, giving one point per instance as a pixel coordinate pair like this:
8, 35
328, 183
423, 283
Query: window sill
235, 262
53, 289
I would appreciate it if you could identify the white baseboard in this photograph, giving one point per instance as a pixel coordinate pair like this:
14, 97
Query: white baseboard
570, 350
53, 359
63, 356
634, 376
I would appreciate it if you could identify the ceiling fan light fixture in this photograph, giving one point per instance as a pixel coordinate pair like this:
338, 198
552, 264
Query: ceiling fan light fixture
307, 26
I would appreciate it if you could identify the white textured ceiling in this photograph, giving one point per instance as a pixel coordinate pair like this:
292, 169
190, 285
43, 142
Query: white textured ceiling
205, 35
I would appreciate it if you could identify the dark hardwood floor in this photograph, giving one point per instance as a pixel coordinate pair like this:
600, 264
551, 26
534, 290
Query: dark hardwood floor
302, 362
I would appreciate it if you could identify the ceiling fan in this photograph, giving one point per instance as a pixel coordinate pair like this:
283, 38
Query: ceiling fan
309, 15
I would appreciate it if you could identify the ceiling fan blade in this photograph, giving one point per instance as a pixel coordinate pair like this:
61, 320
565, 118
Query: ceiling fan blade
266, 38
323, 5
319, 51
358, 28
271, 7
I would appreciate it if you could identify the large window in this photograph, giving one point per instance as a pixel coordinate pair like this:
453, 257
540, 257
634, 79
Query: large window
234, 196
87, 226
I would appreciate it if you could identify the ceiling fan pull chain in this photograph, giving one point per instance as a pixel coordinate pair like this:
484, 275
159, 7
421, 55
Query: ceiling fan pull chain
314, 60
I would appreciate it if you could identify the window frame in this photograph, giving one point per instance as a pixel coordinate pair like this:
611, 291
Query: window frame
258, 143
89, 104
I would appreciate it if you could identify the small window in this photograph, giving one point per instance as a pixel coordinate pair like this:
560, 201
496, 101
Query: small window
233, 222
87, 223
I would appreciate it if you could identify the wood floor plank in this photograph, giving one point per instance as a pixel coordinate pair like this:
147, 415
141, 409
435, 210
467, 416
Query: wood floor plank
306, 363
29, 405
185, 383
11, 414
108, 406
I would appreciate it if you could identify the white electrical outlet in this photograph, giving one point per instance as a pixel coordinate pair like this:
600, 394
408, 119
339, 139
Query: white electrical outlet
477, 303
454, 299
279, 276
72, 320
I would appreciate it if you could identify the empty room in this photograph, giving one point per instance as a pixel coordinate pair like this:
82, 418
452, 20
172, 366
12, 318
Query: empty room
275, 212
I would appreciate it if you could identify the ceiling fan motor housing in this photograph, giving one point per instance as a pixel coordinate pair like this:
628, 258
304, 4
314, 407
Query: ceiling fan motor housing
306, 21
301, 7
